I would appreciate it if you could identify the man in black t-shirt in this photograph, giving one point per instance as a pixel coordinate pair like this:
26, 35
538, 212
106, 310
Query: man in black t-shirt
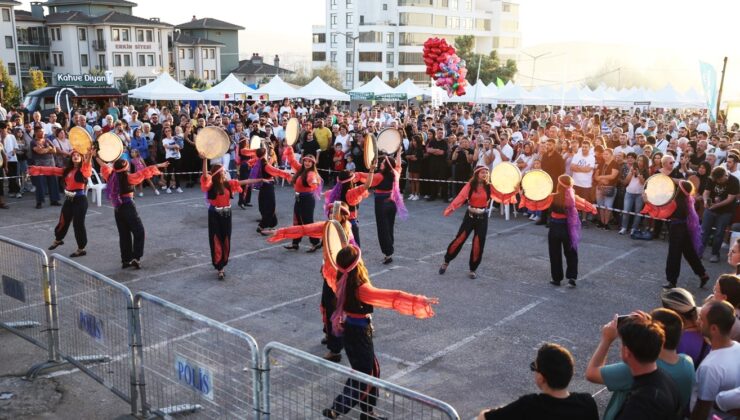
553, 371
719, 204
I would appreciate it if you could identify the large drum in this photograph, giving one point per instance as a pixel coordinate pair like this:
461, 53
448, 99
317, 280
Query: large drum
80, 140
537, 185
110, 147
389, 141
212, 142
292, 129
334, 240
505, 179
255, 142
370, 150
660, 190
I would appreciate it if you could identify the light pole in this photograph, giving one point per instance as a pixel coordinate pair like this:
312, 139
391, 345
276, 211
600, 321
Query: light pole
354, 49
534, 63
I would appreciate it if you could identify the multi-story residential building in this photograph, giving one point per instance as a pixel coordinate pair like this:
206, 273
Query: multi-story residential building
364, 39
214, 30
197, 57
8, 50
33, 44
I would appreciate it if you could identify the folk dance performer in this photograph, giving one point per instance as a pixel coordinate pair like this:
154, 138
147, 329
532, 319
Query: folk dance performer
307, 184
262, 168
351, 189
388, 202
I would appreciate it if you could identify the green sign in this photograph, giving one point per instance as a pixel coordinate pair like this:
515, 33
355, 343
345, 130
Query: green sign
391, 97
361, 96
79, 80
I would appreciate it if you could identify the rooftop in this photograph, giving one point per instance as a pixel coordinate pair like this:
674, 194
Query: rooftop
181, 38
108, 18
209, 23
52, 3
25, 16
256, 65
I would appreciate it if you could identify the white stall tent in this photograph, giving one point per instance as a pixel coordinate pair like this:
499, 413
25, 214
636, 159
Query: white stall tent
276, 89
230, 89
376, 89
477, 93
409, 88
318, 89
165, 88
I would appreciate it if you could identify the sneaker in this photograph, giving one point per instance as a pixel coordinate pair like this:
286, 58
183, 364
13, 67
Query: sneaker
32, 189
168, 191
164, 187
622, 231
333, 357
572, 282
156, 192
141, 194
426, 196
179, 190
19, 195
532, 217
714, 259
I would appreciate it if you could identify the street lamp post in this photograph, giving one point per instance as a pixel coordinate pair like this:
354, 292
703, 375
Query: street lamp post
354, 58
534, 63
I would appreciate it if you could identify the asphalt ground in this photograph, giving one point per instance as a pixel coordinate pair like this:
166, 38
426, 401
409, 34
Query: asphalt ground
474, 353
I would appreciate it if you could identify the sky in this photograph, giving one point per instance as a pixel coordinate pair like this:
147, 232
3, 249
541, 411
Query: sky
649, 41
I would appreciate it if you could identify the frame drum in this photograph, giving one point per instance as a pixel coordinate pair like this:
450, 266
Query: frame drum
80, 140
212, 142
537, 185
505, 178
334, 240
110, 147
370, 150
659, 190
255, 142
389, 140
292, 129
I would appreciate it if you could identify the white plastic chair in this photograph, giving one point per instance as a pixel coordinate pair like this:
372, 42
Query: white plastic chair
96, 183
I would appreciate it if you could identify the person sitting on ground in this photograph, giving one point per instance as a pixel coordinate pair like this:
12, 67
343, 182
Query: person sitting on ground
617, 376
553, 371
720, 370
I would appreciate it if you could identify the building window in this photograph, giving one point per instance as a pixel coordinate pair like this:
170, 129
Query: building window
58, 59
453, 22
509, 26
333, 57
467, 24
333, 42
468, 5
390, 39
510, 8
83, 60
121, 60
205, 74
347, 77
440, 21
389, 59
56, 34
115, 34
406, 38
366, 76
190, 53
149, 35
6, 15
181, 53
416, 76
390, 76
318, 56
415, 19
183, 75
124, 35
204, 54
333, 20
349, 42
349, 3
213, 74
333, 4
141, 60
410, 58
120, 34
371, 57
8, 42
139, 35
371, 37
453, 4
385, 6
349, 19
101, 61
12, 69
117, 60
191, 73
319, 38
350, 57
483, 24
82, 34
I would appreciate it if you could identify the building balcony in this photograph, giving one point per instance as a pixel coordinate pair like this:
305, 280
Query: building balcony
25, 67
98, 45
33, 42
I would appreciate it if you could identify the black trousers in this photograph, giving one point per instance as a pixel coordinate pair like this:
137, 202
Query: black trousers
558, 242
385, 218
130, 232
14, 184
219, 237
478, 224
355, 230
266, 201
303, 214
73, 213
358, 344
328, 306
680, 244
245, 197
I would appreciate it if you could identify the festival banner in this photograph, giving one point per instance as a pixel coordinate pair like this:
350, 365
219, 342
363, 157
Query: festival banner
709, 82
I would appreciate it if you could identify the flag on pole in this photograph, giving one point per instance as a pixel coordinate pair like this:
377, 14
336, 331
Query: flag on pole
499, 82
709, 82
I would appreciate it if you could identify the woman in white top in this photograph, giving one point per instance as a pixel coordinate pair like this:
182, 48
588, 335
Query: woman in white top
172, 154
343, 138
635, 186
526, 158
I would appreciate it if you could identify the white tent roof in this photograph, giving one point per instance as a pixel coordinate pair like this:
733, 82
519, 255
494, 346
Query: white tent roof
277, 89
165, 88
226, 90
375, 86
318, 89
409, 88
511, 94
478, 93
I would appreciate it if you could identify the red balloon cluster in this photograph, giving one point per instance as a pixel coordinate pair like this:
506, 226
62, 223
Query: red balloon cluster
444, 66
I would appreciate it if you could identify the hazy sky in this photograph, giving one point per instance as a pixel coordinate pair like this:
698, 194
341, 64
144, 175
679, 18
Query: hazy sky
588, 35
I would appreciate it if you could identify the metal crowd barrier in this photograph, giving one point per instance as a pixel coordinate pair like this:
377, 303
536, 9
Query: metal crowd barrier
25, 302
96, 326
189, 363
299, 385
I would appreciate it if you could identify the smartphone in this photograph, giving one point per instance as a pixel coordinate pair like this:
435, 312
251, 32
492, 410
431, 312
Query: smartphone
620, 319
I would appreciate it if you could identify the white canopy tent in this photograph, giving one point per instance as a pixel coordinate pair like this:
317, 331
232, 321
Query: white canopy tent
165, 88
228, 90
318, 89
409, 88
276, 89
376, 89
478, 93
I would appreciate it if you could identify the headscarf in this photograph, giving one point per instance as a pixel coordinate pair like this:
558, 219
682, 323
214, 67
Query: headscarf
396, 195
337, 318
574, 222
113, 189
693, 223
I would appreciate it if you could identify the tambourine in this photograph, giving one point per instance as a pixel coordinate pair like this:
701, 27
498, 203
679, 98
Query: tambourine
505, 179
292, 130
660, 192
110, 147
255, 142
334, 240
212, 142
537, 187
80, 140
389, 141
370, 150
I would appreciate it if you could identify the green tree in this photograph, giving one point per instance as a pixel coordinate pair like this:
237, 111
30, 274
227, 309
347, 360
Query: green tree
491, 67
195, 83
37, 80
127, 82
11, 95
393, 82
302, 77
96, 71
